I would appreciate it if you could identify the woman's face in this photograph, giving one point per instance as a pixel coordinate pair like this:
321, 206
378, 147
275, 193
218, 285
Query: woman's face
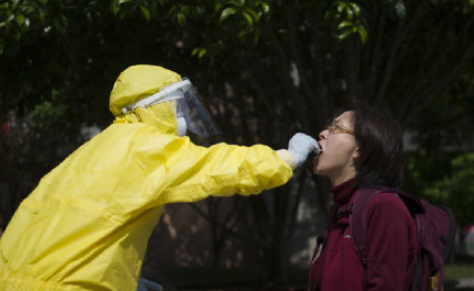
339, 149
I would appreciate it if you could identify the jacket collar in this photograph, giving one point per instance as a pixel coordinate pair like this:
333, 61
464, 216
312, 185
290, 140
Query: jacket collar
343, 192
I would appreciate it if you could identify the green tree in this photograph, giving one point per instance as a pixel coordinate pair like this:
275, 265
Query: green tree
456, 188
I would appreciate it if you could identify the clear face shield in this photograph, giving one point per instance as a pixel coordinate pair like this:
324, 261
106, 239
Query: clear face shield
192, 117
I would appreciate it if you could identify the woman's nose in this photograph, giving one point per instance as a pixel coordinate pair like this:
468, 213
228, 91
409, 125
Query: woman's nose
322, 134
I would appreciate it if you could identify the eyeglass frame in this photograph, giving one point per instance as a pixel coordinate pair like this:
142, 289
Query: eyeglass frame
335, 127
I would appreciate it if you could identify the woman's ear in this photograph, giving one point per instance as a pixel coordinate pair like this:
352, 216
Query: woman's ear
355, 153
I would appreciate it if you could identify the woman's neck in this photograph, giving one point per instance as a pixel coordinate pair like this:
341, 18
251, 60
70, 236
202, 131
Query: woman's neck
339, 179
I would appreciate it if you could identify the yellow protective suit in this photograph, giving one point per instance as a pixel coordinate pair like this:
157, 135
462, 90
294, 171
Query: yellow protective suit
87, 224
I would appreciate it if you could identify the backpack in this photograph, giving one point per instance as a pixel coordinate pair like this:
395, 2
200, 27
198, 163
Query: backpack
435, 227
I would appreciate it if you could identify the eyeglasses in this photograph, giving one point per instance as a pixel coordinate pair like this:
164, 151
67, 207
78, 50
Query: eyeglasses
334, 127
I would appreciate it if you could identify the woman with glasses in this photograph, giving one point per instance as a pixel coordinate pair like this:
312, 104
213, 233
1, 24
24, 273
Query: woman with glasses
362, 148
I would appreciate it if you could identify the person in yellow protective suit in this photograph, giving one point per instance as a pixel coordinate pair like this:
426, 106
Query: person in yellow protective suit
87, 224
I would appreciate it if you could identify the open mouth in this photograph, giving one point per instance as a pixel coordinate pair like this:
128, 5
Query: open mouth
317, 154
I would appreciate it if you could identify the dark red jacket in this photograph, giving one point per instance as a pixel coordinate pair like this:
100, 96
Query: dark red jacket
391, 247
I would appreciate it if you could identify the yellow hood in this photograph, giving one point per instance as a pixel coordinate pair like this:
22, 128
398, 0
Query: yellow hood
138, 82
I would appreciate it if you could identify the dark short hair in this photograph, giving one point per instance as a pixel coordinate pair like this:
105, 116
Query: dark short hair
380, 141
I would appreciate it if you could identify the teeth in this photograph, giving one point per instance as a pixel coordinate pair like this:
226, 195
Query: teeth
317, 152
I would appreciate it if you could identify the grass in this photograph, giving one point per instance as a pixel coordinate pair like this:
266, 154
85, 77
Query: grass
459, 271
463, 267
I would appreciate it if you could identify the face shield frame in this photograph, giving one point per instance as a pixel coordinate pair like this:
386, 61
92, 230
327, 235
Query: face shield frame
200, 126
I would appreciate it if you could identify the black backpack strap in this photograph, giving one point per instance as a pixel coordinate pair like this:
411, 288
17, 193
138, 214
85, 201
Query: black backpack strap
415, 280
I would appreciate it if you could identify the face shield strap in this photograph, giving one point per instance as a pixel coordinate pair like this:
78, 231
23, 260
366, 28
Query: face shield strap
139, 119
129, 112
172, 92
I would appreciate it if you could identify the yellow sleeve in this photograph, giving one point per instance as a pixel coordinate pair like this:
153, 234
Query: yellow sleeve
222, 170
